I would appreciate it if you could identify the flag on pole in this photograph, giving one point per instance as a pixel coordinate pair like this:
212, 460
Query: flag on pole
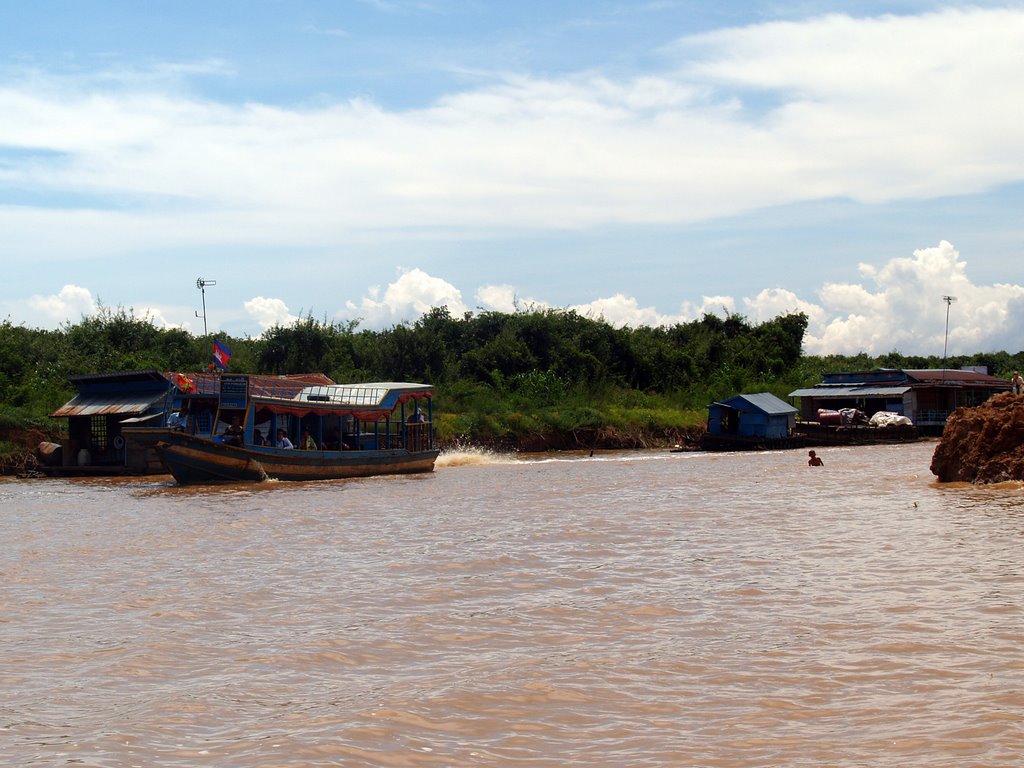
221, 354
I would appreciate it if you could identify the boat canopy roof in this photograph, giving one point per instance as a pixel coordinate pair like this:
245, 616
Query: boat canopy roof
369, 401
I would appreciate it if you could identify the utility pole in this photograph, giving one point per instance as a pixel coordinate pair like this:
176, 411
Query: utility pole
201, 285
949, 300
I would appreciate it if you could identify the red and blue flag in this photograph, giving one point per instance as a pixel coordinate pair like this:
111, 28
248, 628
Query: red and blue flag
221, 354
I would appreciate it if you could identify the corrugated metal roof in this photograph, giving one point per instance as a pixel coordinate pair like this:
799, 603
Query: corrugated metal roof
116, 396
834, 391
951, 374
259, 386
111, 404
765, 402
148, 374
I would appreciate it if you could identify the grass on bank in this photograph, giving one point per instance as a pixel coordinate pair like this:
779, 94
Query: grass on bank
478, 413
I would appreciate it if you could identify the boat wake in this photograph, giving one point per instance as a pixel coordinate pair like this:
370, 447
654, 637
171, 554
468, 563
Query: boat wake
472, 456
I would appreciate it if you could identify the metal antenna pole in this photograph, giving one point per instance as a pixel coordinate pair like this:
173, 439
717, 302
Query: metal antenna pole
949, 300
201, 285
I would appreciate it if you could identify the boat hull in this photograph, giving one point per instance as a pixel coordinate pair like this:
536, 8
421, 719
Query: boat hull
192, 459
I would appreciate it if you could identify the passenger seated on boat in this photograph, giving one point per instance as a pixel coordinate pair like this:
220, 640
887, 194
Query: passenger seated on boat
178, 421
233, 434
282, 440
257, 438
417, 417
307, 443
333, 441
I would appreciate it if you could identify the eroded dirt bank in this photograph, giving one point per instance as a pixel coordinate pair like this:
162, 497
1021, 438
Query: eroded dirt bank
984, 444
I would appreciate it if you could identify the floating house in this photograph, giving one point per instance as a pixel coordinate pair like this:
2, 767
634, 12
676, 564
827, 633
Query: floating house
94, 444
925, 396
750, 422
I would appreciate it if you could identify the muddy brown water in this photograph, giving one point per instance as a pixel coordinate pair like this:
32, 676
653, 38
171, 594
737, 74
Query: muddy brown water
621, 609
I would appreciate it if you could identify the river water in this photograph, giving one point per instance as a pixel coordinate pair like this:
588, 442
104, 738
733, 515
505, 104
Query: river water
621, 609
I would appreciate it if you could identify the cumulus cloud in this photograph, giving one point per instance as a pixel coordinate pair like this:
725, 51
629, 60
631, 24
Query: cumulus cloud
504, 298
772, 302
620, 310
410, 296
499, 298
903, 309
158, 317
898, 307
70, 303
269, 312
73, 302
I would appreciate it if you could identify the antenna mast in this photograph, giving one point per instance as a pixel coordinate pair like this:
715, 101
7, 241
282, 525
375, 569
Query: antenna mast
201, 285
949, 300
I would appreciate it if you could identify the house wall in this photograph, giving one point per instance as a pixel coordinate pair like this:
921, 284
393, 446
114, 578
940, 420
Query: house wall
759, 424
719, 418
753, 424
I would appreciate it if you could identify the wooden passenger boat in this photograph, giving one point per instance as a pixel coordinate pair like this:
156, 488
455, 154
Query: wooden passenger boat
336, 430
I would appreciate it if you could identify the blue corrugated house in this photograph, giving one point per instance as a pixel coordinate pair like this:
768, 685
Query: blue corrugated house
754, 421
95, 444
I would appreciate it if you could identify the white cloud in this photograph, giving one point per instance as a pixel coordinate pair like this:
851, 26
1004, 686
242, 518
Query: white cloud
503, 298
72, 302
880, 109
773, 302
413, 294
720, 306
898, 307
904, 310
269, 312
620, 310
500, 298
157, 317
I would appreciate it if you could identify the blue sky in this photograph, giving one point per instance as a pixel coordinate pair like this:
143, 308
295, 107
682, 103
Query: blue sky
646, 162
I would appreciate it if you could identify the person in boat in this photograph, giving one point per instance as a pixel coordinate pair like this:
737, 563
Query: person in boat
233, 434
417, 417
1018, 383
178, 420
814, 460
257, 438
307, 443
283, 441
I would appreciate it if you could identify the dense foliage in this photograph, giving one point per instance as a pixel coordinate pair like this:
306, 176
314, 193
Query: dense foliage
497, 375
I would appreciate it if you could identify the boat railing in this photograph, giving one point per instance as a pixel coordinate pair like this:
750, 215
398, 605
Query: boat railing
418, 436
410, 436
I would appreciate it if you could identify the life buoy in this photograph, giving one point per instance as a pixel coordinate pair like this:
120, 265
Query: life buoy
118, 442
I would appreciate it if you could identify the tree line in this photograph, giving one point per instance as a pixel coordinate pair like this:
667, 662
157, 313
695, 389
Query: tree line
534, 371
